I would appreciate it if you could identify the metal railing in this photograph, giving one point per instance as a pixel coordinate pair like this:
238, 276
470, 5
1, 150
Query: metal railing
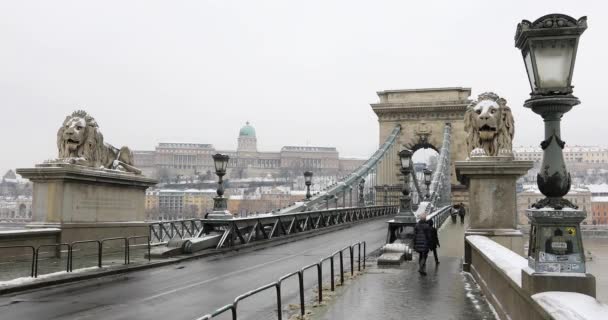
439, 216
69, 267
164, 231
242, 231
233, 307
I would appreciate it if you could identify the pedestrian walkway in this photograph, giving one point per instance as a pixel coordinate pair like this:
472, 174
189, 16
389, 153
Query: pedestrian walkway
402, 293
451, 238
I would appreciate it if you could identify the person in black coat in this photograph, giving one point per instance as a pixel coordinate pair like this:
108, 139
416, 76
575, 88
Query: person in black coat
462, 212
434, 241
422, 240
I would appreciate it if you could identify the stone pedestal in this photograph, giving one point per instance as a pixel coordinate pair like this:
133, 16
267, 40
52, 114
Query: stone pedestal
86, 203
535, 282
492, 206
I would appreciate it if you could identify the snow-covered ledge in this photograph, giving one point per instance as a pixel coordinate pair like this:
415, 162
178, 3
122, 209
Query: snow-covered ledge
571, 305
497, 270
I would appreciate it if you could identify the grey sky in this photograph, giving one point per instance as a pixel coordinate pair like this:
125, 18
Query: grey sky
300, 71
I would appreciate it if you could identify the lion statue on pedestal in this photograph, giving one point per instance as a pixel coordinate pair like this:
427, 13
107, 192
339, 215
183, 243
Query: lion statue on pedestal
80, 141
490, 127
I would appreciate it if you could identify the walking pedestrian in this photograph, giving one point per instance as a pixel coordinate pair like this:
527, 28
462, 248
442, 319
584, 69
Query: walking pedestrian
462, 212
434, 241
422, 239
454, 212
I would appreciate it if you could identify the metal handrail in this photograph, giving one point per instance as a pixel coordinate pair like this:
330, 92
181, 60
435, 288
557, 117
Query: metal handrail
300, 273
242, 231
258, 290
55, 245
71, 253
33, 255
70, 250
138, 237
163, 231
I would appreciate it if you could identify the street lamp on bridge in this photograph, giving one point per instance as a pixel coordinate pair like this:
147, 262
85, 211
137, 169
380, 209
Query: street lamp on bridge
405, 211
427, 181
361, 196
220, 206
549, 46
308, 182
385, 189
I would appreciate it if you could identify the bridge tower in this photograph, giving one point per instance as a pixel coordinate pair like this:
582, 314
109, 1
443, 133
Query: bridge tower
422, 114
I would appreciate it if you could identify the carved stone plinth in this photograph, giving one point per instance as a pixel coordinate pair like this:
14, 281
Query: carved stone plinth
492, 198
88, 203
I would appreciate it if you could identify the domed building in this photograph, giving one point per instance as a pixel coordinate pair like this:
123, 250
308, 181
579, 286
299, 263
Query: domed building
247, 141
170, 160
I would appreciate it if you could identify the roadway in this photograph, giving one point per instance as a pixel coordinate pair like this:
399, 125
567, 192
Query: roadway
191, 289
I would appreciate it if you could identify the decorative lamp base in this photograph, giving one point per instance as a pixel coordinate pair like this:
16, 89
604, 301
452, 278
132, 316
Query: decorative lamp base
554, 203
556, 244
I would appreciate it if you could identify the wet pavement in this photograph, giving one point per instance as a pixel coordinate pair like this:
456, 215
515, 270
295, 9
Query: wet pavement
190, 289
402, 293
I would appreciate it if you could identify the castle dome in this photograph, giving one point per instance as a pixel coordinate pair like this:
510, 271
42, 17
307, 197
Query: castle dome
247, 131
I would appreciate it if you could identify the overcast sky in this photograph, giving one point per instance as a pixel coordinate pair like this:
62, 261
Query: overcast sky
302, 72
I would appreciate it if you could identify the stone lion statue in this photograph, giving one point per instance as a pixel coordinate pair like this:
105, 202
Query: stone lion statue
490, 127
80, 141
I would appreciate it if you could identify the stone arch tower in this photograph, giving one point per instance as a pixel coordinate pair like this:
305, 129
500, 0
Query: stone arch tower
422, 114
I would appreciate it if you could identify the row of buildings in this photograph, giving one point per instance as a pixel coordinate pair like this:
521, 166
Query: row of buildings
572, 154
592, 198
171, 204
169, 160
15, 198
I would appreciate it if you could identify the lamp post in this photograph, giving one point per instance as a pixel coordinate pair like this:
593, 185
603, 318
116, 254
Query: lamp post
350, 195
308, 182
220, 206
549, 46
385, 189
405, 214
361, 196
427, 181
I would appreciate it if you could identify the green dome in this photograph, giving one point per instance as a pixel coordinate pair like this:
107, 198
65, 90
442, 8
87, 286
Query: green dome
247, 131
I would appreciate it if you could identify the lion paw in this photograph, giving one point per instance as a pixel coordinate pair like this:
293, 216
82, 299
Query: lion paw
478, 152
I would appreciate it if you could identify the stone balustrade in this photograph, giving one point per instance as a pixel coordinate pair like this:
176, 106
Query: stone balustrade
498, 271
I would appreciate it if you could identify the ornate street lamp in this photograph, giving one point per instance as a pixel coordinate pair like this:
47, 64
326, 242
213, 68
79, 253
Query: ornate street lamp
308, 182
220, 206
427, 181
361, 196
549, 46
405, 214
385, 189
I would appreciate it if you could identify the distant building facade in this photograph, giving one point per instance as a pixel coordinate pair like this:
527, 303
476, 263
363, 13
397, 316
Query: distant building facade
580, 154
168, 204
599, 203
530, 195
190, 159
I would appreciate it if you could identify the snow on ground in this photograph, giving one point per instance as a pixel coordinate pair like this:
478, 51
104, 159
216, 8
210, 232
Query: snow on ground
508, 261
28, 280
22, 231
571, 305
